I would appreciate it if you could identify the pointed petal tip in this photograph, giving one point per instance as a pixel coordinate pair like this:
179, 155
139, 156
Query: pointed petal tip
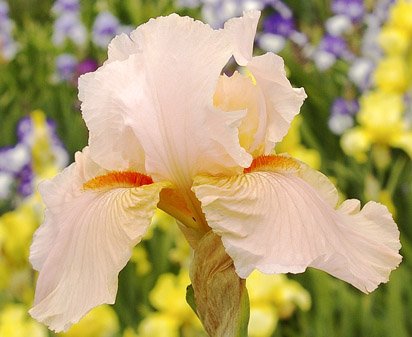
241, 33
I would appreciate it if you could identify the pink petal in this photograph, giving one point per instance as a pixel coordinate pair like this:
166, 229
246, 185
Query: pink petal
241, 32
282, 218
155, 106
84, 242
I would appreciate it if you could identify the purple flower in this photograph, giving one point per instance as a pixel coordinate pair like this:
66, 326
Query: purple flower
16, 161
279, 25
105, 28
353, 9
337, 25
13, 159
271, 42
64, 6
4, 11
69, 26
342, 106
280, 7
26, 178
66, 67
360, 73
188, 3
24, 128
216, 12
334, 45
342, 114
86, 66
8, 47
6, 183
329, 49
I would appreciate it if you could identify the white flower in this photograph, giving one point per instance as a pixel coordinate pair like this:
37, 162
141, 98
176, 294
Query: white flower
168, 130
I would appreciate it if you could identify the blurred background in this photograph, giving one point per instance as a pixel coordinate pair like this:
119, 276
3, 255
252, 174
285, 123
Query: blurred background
354, 59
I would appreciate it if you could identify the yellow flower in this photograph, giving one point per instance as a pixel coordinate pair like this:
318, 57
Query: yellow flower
99, 322
386, 199
129, 332
139, 257
271, 298
5, 274
381, 115
356, 142
14, 322
289, 296
292, 145
160, 220
182, 252
168, 296
393, 40
404, 141
173, 313
159, 325
44, 160
401, 14
391, 74
381, 122
263, 320
18, 227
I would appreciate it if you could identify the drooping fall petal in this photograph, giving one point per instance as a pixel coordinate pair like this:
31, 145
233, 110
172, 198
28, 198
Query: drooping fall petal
280, 216
90, 228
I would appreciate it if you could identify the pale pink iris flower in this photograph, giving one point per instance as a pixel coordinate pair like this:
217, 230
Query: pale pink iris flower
168, 130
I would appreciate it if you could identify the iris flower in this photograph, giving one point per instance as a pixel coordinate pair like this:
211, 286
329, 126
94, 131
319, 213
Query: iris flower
168, 130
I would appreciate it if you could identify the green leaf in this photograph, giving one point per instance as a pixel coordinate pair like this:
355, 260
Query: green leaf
244, 315
190, 298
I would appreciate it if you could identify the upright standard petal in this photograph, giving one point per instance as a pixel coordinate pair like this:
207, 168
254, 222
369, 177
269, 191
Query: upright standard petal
280, 216
277, 99
90, 228
239, 93
241, 32
106, 95
267, 97
163, 91
282, 102
121, 47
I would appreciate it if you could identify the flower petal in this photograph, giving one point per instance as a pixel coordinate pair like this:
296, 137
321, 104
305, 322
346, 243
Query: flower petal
404, 142
120, 48
238, 93
85, 241
55, 192
241, 32
267, 97
164, 93
280, 217
282, 102
104, 97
